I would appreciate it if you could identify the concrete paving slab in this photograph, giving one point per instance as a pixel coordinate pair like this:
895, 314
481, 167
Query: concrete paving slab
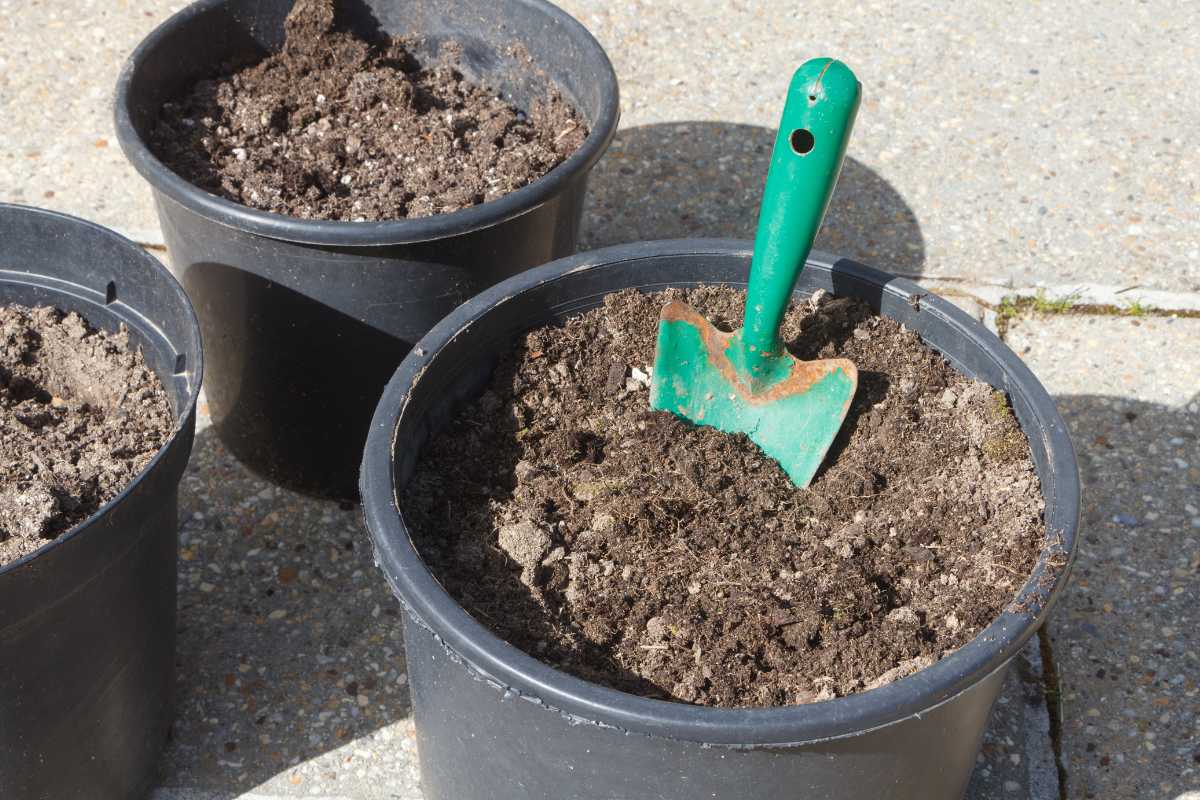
1126, 636
1055, 152
58, 68
1005, 146
995, 128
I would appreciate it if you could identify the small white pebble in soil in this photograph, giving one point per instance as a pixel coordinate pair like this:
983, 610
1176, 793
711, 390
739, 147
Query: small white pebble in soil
526, 544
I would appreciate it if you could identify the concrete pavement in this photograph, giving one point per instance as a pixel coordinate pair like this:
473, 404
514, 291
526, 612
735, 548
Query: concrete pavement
1040, 151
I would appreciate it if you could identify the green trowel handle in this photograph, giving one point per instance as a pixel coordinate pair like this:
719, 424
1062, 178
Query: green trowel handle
822, 102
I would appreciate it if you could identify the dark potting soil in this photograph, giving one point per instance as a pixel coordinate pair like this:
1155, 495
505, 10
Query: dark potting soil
636, 550
333, 127
80, 416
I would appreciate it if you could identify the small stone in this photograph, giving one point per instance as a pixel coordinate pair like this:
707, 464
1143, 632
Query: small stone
526, 544
1012, 786
948, 399
616, 378
278, 613
603, 522
1126, 520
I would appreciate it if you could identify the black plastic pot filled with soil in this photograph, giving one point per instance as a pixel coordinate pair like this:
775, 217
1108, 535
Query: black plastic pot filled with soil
100, 367
333, 178
615, 603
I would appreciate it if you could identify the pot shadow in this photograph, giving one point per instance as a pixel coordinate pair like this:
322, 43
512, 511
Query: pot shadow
289, 638
705, 179
1135, 563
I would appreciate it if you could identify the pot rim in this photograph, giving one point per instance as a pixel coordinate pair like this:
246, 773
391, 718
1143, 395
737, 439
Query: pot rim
366, 234
497, 661
135, 319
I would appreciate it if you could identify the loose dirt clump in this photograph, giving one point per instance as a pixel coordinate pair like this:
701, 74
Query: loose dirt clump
80, 416
634, 549
334, 127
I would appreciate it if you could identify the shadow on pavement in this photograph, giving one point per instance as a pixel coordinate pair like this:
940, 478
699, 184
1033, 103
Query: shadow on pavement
289, 639
705, 179
1125, 636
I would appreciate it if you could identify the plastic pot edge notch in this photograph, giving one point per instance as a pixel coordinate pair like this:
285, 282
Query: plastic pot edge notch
516, 671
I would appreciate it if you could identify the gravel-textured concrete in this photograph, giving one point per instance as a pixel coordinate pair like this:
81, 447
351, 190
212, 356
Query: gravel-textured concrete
996, 143
1045, 145
1035, 142
58, 68
291, 672
1127, 635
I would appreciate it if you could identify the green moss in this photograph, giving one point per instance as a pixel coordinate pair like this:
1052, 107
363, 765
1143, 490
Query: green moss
999, 407
1135, 308
1004, 447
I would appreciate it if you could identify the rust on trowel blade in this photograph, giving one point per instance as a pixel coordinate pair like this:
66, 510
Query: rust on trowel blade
803, 376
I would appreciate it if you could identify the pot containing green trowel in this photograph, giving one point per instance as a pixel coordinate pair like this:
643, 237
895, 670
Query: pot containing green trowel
745, 381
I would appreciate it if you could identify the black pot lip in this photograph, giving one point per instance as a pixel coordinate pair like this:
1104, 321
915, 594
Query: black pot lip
337, 233
187, 411
497, 661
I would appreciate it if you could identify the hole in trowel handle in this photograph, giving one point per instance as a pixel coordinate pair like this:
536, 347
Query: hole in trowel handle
802, 141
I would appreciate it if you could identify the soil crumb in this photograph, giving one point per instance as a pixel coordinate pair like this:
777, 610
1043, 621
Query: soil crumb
334, 127
80, 416
631, 548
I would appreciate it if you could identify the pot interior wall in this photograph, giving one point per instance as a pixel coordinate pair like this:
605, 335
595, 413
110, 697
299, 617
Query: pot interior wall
494, 37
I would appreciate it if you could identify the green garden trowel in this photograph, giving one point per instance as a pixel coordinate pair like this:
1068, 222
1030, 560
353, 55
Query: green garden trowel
746, 381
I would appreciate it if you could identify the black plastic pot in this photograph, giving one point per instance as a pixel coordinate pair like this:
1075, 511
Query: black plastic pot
305, 321
87, 623
494, 722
